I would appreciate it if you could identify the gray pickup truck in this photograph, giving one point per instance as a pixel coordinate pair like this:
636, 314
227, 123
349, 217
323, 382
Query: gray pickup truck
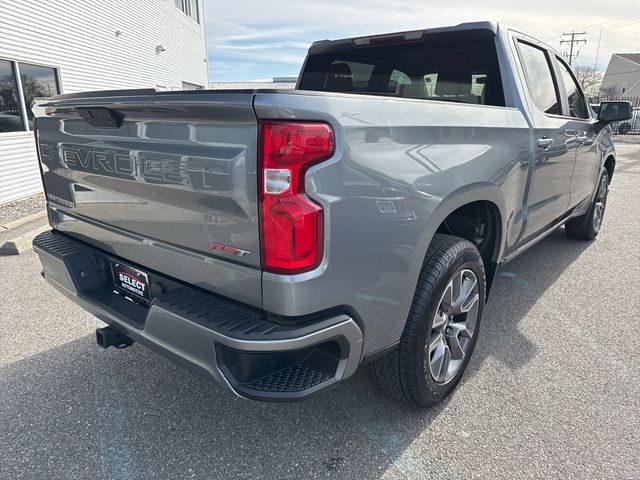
275, 241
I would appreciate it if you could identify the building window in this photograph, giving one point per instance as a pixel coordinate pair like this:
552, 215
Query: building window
11, 119
189, 8
17, 92
37, 82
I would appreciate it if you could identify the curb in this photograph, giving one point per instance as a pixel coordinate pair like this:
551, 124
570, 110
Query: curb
22, 243
21, 221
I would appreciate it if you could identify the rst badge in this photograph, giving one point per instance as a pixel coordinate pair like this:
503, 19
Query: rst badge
218, 247
130, 280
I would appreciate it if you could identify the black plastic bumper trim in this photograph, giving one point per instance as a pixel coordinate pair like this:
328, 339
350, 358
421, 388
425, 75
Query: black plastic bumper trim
186, 324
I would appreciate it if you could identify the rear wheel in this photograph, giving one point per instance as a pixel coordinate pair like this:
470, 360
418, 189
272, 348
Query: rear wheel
587, 226
442, 328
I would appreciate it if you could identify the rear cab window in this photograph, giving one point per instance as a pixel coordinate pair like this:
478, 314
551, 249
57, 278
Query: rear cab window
454, 66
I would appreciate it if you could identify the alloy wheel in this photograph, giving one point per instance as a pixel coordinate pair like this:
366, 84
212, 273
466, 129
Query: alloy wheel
601, 202
453, 325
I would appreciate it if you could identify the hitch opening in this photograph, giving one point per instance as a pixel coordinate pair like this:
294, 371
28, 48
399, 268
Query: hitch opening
110, 337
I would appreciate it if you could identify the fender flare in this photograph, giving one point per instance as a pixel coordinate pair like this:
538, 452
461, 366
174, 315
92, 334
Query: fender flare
467, 194
609, 152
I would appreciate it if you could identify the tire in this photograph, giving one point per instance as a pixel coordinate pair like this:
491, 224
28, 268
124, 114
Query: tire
588, 225
407, 373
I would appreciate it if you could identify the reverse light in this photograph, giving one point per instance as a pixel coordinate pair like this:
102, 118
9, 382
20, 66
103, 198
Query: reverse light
291, 223
276, 180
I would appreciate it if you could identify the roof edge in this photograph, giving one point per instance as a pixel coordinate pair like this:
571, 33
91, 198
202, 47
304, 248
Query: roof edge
625, 56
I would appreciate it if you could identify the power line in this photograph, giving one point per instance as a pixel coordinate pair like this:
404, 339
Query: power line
575, 40
609, 25
630, 23
612, 23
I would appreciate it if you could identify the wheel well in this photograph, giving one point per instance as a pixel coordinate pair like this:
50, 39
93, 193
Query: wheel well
610, 166
480, 223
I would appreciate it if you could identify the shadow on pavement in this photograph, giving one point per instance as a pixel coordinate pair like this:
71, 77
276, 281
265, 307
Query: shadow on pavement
518, 287
78, 412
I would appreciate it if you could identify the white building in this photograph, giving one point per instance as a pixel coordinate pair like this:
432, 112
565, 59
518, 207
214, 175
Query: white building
622, 78
278, 83
67, 46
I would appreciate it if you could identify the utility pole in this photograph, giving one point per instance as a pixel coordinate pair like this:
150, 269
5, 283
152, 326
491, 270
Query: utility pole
595, 65
572, 42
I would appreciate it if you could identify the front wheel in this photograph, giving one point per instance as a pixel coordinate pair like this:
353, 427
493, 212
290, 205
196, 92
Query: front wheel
442, 328
587, 226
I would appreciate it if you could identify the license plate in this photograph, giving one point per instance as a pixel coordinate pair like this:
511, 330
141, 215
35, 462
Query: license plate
130, 280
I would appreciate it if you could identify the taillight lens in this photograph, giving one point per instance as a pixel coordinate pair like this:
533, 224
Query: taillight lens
291, 224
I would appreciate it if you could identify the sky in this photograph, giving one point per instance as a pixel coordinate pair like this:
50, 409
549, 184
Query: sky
252, 40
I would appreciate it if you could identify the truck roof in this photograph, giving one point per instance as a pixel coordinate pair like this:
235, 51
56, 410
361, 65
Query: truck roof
492, 28
461, 27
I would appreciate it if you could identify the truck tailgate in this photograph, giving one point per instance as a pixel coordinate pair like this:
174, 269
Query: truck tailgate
171, 169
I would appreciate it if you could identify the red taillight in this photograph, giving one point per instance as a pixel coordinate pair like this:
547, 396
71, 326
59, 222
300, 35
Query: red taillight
291, 224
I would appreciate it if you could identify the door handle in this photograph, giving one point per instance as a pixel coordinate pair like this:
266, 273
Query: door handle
545, 142
580, 137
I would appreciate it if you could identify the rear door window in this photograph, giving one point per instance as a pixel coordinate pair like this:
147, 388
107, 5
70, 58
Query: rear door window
397, 80
540, 80
478, 81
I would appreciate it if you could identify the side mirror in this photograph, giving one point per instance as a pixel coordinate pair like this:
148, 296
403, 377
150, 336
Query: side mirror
611, 112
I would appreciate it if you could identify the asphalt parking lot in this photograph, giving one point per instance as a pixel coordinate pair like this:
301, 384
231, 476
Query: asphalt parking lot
553, 390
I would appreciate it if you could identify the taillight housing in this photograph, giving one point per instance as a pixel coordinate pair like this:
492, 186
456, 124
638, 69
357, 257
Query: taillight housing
291, 224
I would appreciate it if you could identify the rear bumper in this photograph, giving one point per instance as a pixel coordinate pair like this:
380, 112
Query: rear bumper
242, 349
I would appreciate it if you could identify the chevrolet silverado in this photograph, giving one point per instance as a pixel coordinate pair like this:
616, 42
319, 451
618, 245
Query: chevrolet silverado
275, 241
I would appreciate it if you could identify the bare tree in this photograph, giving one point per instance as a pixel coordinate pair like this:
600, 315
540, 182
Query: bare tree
608, 92
590, 79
